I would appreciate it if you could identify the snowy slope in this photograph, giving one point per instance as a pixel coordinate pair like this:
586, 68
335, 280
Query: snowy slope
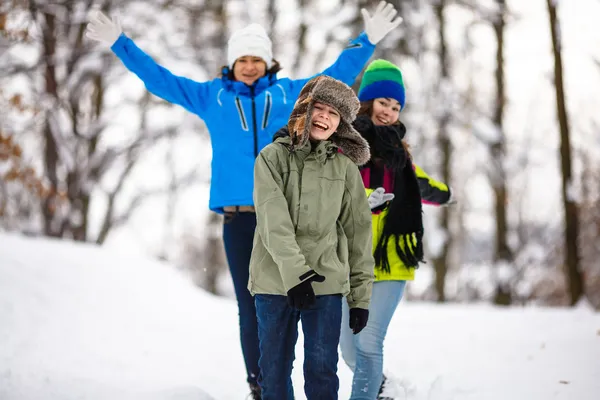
81, 322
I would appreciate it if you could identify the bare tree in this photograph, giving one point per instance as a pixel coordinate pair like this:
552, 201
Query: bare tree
571, 213
503, 255
205, 259
440, 260
590, 225
214, 253
71, 123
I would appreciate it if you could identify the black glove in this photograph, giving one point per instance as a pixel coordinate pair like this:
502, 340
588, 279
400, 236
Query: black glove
358, 319
302, 296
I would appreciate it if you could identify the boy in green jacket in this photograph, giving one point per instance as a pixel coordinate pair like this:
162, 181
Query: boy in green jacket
313, 240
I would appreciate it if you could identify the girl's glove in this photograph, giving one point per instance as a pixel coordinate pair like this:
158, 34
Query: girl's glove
379, 197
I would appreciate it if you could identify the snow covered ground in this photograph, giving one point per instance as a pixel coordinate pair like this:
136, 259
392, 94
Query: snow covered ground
83, 322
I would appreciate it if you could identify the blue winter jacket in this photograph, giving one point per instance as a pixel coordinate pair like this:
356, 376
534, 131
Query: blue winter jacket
241, 119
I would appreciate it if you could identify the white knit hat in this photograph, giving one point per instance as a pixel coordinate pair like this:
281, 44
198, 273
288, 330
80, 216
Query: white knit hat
250, 41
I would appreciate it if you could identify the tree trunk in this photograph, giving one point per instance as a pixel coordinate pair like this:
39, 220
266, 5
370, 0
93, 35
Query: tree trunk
573, 274
440, 261
502, 252
50, 148
214, 254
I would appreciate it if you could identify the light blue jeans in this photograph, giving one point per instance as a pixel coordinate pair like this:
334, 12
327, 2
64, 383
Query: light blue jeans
363, 352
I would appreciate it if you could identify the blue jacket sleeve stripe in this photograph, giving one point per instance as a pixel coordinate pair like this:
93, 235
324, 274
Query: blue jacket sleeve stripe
193, 96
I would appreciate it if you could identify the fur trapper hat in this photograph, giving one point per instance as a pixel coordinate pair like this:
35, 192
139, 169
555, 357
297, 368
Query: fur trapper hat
326, 90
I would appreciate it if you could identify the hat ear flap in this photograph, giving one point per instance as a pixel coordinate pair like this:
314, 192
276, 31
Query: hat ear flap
300, 121
299, 125
352, 143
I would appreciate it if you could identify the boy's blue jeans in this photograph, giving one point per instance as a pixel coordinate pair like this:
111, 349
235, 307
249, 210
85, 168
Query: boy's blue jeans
278, 333
238, 234
363, 352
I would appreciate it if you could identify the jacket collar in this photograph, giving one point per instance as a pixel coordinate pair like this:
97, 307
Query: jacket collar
355, 148
322, 150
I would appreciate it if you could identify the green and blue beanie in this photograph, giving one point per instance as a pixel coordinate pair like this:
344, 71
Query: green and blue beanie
382, 79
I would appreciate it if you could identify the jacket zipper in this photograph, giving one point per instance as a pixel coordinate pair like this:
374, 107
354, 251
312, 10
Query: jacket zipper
300, 173
254, 122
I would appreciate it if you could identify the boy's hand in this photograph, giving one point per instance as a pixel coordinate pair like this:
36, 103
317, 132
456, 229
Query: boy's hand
302, 296
381, 23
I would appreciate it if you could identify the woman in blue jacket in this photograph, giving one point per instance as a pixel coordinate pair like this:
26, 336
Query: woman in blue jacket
242, 110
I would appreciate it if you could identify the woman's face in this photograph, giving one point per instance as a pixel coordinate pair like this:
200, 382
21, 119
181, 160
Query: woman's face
386, 111
248, 69
324, 121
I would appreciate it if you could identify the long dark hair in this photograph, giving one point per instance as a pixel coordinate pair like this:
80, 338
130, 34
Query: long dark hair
227, 72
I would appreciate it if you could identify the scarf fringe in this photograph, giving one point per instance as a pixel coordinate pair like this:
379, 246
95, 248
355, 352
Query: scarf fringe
411, 255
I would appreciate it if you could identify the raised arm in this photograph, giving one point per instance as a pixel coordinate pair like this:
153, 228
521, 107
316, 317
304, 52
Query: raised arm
192, 95
358, 52
432, 192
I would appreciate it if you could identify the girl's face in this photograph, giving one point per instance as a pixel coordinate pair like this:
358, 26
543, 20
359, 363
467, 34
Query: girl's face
386, 111
248, 69
324, 121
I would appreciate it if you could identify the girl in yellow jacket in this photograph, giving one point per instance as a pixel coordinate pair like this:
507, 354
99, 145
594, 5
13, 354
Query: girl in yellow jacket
397, 224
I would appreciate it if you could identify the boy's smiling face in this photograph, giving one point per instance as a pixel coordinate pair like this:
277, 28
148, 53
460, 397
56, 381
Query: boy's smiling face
324, 121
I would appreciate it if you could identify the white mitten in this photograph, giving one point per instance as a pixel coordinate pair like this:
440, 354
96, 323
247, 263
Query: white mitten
379, 197
381, 23
102, 28
452, 200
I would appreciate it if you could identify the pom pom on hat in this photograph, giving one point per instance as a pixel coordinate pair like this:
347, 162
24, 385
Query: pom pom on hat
250, 41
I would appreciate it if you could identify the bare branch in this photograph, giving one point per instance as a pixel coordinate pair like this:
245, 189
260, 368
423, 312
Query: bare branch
19, 68
181, 182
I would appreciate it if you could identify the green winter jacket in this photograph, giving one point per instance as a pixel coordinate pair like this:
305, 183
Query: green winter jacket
312, 216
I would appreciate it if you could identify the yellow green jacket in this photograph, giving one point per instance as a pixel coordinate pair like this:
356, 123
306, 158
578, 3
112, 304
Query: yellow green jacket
432, 192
